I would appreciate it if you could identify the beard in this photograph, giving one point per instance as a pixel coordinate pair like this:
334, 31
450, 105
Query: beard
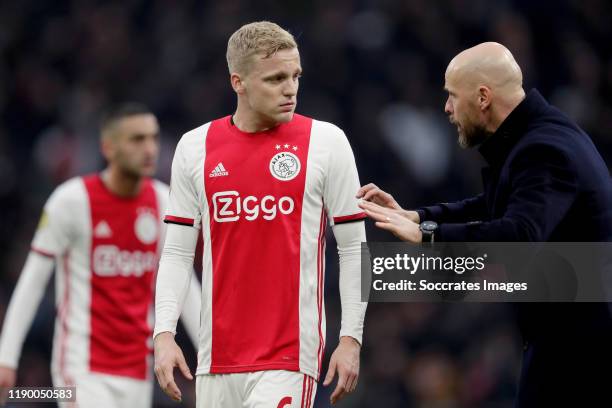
133, 169
472, 136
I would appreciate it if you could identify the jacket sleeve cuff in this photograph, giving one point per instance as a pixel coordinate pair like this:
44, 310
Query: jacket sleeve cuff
432, 213
452, 233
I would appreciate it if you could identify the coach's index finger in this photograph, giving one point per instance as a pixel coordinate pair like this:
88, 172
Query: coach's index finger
365, 189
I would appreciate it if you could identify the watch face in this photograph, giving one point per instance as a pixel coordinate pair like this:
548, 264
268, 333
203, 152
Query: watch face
429, 226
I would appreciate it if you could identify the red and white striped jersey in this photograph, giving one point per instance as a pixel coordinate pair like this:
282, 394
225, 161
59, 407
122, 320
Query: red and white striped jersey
106, 250
263, 201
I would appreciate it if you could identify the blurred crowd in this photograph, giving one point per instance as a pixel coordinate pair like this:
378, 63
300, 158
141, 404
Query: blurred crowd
375, 68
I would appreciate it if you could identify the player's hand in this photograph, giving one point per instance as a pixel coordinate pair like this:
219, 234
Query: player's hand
345, 361
393, 221
8, 378
167, 356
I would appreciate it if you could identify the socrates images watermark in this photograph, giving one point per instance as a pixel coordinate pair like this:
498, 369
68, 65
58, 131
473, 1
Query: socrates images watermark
490, 272
458, 265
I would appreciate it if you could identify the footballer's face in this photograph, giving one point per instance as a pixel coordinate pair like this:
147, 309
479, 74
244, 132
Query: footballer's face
270, 87
133, 145
463, 110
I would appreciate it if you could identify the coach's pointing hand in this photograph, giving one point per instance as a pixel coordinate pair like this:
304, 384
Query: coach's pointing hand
167, 356
372, 193
344, 360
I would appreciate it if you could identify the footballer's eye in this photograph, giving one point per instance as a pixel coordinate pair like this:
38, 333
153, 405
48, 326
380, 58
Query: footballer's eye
276, 78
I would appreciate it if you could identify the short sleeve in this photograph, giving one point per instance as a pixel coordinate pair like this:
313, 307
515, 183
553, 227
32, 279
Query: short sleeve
342, 180
54, 231
183, 204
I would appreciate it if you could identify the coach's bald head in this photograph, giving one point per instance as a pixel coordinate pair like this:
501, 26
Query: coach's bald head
484, 84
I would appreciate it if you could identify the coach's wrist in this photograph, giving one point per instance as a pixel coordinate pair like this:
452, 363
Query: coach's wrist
413, 216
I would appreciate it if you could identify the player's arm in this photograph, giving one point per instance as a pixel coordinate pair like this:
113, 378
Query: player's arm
172, 286
51, 238
21, 311
341, 183
190, 315
345, 359
175, 270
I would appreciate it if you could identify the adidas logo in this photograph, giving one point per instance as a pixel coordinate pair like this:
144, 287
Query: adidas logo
102, 230
219, 171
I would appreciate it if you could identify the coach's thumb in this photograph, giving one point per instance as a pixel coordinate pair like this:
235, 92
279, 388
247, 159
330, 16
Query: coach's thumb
184, 368
330, 372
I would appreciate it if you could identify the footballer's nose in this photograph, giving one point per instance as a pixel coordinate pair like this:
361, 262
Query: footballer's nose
290, 88
152, 148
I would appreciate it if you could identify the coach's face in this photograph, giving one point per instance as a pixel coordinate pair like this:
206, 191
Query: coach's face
270, 87
463, 110
134, 145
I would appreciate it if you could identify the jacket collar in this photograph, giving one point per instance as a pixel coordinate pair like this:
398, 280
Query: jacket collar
496, 149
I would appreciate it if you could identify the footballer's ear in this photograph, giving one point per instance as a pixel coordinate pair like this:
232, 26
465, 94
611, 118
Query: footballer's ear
107, 146
237, 83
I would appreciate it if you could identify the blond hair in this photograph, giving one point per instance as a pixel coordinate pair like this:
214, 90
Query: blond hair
260, 38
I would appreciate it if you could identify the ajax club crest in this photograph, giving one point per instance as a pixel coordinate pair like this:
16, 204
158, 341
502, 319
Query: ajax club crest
285, 166
146, 226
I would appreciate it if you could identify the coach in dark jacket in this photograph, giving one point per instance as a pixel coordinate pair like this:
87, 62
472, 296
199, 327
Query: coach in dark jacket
545, 181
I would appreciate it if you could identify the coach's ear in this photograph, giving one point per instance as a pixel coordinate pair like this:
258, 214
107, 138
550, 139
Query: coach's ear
484, 97
237, 83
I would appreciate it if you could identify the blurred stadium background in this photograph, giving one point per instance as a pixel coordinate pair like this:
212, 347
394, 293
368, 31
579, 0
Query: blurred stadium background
375, 68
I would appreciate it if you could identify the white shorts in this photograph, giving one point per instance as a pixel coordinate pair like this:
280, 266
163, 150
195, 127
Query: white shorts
104, 391
259, 389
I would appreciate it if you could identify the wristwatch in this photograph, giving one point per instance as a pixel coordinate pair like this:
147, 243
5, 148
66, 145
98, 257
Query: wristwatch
428, 229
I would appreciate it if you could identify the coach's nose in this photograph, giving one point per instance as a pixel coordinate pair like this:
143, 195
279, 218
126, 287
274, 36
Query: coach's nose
448, 107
